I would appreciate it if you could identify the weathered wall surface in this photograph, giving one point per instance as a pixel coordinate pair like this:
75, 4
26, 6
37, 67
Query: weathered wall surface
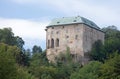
90, 35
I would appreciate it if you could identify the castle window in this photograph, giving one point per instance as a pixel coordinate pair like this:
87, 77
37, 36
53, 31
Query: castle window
58, 22
48, 44
57, 32
52, 43
52, 27
51, 32
57, 42
74, 21
67, 31
76, 37
67, 36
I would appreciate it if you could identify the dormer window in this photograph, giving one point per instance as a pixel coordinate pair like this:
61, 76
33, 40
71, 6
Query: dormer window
74, 21
58, 22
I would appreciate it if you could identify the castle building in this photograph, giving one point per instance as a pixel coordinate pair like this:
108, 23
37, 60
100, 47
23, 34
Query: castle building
77, 33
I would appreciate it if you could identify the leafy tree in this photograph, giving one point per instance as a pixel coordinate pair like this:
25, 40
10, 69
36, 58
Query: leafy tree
112, 37
89, 71
111, 32
18, 55
111, 68
23, 74
7, 65
7, 37
98, 52
36, 49
9, 60
112, 45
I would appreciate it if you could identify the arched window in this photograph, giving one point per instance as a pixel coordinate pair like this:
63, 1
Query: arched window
57, 42
52, 43
48, 44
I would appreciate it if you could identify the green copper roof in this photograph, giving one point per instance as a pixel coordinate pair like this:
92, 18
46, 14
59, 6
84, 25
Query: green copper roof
72, 20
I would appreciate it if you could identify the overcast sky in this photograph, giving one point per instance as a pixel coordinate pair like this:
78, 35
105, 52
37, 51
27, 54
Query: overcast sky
28, 18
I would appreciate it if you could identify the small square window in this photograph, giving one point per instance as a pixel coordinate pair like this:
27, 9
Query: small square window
67, 36
52, 27
57, 32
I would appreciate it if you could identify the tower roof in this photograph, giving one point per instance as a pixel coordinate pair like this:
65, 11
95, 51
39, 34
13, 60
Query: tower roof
72, 20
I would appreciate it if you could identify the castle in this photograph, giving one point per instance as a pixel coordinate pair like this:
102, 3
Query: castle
77, 33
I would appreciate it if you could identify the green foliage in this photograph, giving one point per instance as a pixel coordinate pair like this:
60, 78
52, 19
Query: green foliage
9, 69
112, 45
98, 52
89, 71
23, 74
111, 32
111, 68
18, 55
39, 64
7, 37
36, 49
7, 65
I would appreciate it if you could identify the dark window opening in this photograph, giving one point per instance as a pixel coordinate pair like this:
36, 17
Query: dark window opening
57, 42
52, 43
73, 56
76, 37
67, 36
74, 21
58, 22
52, 27
57, 32
63, 59
48, 44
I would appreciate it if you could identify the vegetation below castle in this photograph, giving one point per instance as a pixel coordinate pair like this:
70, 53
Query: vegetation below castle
18, 63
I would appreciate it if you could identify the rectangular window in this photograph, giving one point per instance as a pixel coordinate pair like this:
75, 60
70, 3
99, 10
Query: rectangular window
76, 37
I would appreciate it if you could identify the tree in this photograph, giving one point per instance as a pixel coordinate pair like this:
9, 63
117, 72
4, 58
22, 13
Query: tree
7, 37
22, 73
7, 64
111, 32
18, 55
98, 53
89, 71
111, 68
112, 37
10, 63
36, 49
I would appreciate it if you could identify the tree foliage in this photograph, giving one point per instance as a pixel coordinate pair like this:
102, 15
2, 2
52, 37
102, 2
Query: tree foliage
7, 64
98, 52
36, 49
89, 71
7, 37
111, 68
10, 60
